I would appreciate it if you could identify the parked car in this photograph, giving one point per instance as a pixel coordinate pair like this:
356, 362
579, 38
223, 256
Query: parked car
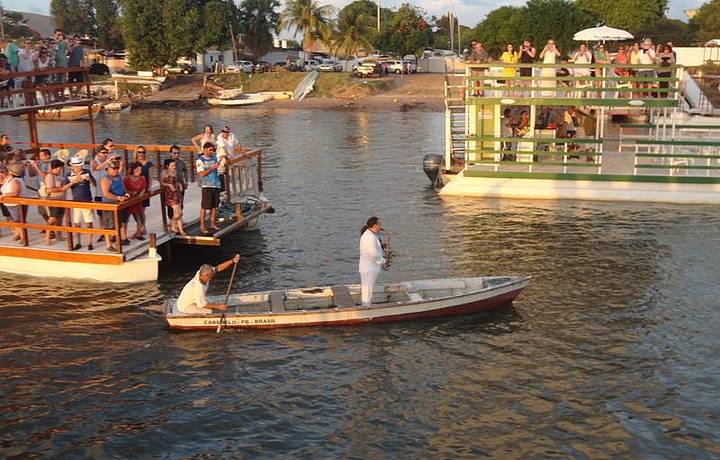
395, 67
240, 66
262, 66
330, 66
184, 69
312, 65
367, 69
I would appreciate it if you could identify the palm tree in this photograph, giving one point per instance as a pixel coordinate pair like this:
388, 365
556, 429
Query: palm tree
307, 17
353, 34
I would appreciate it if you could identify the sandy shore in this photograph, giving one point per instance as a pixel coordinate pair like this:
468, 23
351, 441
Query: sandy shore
423, 92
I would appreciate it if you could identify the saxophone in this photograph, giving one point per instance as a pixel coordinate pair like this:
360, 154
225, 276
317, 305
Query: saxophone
389, 254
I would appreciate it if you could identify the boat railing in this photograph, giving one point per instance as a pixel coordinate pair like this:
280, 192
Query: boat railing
245, 166
66, 224
596, 84
650, 156
24, 92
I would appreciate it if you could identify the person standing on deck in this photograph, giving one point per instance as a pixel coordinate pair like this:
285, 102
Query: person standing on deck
76, 58
113, 191
208, 135
60, 62
181, 172
206, 167
193, 298
371, 258
80, 181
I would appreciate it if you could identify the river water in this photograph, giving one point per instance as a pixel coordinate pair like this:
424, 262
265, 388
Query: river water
612, 351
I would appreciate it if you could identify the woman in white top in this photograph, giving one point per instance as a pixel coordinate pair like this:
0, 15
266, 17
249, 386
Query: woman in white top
208, 135
371, 259
550, 55
27, 60
12, 186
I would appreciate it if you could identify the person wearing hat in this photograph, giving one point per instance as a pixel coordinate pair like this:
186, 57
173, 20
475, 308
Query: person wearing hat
113, 191
80, 181
12, 186
56, 189
226, 145
193, 298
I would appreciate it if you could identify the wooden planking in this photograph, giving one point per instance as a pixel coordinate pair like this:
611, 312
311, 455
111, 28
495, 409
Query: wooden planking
62, 256
277, 301
342, 297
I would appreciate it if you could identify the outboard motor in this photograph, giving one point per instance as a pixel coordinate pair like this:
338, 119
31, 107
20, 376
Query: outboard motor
432, 163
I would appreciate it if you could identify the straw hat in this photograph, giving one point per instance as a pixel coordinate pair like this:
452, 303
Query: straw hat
62, 154
16, 169
82, 154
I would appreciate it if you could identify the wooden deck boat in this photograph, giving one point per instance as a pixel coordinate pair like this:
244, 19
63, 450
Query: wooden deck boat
338, 305
68, 113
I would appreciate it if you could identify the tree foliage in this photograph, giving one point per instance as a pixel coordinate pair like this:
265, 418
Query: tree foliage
161, 31
15, 25
93, 18
706, 22
631, 15
539, 19
355, 28
406, 32
258, 19
307, 17
668, 30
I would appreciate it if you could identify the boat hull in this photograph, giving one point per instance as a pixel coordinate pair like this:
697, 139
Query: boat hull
481, 301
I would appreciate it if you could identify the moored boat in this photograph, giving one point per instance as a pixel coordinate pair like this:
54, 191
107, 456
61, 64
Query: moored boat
240, 99
68, 113
338, 305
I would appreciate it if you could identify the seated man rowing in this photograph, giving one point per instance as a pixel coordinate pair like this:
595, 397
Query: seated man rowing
193, 298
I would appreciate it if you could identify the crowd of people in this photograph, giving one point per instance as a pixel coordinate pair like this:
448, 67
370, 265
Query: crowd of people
659, 59
26, 55
103, 176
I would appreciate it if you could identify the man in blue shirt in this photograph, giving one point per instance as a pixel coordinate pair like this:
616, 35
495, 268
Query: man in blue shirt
206, 167
80, 181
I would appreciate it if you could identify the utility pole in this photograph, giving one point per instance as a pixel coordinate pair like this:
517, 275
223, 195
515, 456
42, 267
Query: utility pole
378, 15
2, 22
452, 30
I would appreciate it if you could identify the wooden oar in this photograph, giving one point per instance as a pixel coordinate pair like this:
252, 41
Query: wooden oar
227, 296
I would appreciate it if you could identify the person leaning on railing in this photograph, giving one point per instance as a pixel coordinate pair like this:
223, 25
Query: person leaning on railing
648, 58
11, 186
113, 191
666, 59
56, 188
80, 181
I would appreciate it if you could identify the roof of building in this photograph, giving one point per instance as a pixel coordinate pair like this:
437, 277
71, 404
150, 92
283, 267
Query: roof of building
41, 23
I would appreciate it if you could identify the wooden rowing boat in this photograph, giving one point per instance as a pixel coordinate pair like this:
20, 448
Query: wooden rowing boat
338, 305
68, 113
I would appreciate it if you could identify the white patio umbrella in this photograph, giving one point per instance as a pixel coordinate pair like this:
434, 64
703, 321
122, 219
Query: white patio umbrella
601, 34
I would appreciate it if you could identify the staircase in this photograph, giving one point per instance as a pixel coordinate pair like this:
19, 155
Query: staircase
455, 121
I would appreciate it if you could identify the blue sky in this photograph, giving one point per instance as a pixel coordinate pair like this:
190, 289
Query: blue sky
469, 11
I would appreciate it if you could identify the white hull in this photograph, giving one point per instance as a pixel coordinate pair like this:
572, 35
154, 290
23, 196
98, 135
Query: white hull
316, 307
548, 189
246, 99
133, 271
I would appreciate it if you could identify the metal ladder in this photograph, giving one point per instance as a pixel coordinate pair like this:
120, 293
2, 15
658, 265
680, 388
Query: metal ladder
455, 119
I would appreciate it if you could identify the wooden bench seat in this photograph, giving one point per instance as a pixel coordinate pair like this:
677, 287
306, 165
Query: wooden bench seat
277, 301
342, 297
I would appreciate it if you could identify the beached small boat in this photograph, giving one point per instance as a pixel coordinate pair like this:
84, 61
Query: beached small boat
68, 113
240, 100
338, 305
